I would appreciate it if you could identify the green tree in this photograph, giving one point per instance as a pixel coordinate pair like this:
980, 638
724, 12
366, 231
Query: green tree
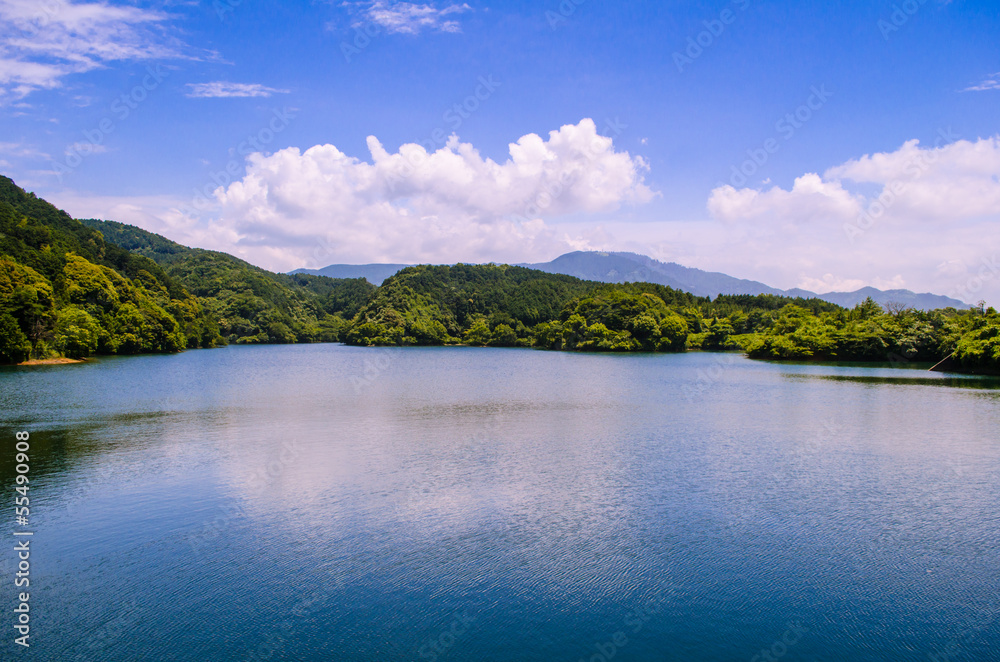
979, 348
76, 333
673, 333
503, 336
14, 345
572, 330
88, 283
866, 310
645, 330
28, 297
479, 334
719, 332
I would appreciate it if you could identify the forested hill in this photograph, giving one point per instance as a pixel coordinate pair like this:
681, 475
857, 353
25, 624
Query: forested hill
74, 289
604, 267
65, 290
506, 306
251, 305
497, 305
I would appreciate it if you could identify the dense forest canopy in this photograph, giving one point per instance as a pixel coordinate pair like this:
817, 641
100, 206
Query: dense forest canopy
499, 306
65, 290
75, 288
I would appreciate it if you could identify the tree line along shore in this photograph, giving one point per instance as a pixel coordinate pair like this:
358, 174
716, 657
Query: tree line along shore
70, 289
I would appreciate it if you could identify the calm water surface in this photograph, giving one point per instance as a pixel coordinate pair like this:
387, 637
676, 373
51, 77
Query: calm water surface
333, 503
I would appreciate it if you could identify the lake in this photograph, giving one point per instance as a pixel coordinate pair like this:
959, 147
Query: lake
323, 502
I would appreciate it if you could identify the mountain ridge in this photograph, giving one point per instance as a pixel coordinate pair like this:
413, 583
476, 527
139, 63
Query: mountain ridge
626, 267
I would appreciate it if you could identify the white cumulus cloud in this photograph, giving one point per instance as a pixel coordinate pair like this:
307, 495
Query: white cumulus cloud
945, 184
875, 219
810, 198
321, 206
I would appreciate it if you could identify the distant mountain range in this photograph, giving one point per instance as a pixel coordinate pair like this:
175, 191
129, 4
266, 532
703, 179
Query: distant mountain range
373, 273
632, 267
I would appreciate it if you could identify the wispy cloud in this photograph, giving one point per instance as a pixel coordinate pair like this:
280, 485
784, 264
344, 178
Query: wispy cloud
21, 150
991, 83
19, 158
85, 148
223, 89
42, 43
411, 18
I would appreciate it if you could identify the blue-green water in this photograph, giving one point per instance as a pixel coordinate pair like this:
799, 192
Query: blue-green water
334, 503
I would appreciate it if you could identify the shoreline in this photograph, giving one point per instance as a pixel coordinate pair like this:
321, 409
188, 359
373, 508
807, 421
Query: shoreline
920, 366
56, 361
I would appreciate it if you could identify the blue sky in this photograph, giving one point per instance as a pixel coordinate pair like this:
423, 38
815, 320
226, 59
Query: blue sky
644, 113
